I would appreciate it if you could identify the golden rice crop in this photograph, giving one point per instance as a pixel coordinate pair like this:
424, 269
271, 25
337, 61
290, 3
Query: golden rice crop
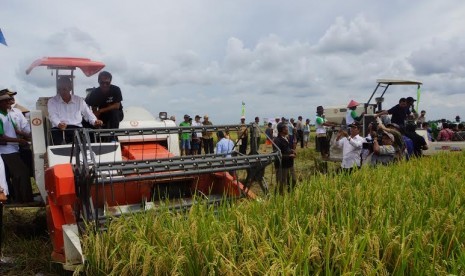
404, 219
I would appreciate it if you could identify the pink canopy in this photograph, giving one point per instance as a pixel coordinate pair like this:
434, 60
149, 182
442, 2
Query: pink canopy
87, 66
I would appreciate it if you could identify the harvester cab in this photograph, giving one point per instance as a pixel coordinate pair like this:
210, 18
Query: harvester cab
91, 179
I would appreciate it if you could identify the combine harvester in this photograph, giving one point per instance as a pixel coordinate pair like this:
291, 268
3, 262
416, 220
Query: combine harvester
90, 180
337, 114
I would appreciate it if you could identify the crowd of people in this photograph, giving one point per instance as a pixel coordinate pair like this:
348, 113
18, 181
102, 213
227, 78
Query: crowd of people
384, 143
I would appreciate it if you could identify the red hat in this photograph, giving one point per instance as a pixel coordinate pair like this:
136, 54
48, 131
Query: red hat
352, 104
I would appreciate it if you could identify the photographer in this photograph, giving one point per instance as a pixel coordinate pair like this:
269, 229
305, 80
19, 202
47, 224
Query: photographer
398, 141
351, 147
385, 153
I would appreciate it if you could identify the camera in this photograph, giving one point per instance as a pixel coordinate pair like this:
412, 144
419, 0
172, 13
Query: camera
368, 145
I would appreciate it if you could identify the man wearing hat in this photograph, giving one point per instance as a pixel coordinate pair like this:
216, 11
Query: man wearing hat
243, 135
207, 136
351, 115
351, 147
385, 153
20, 189
185, 137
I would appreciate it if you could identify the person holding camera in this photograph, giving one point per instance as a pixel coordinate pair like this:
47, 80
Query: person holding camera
351, 147
383, 154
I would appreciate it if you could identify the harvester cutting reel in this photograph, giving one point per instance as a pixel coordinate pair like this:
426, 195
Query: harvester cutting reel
141, 180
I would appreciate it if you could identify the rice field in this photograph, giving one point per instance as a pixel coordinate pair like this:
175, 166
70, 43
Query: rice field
405, 219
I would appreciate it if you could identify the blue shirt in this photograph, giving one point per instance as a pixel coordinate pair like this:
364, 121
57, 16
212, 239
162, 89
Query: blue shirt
224, 146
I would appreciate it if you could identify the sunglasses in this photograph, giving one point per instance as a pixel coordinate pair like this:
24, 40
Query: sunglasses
105, 83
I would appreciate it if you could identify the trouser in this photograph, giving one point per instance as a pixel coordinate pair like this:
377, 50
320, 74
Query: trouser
323, 145
26, 156
243, 146
112, 118
300, 137
196, 146
20, 189
60, 138
285, 178
256, 142
208, 145
199, 150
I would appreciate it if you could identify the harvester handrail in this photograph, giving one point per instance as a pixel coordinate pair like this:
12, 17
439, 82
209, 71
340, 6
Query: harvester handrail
163, 130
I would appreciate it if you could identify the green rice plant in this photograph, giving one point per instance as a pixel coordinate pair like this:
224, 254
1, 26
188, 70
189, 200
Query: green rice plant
404, 219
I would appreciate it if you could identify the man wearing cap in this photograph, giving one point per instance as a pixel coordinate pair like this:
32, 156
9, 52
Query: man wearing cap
23, 130
351, 114
399, 141
105, 101
351, 147
65, 112
185, 137
243, 135
410, 106
385, 153
207, 136
20, 189
17, 115
196, 145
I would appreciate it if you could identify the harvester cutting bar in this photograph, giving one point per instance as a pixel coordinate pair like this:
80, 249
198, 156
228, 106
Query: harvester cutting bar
177, 166
164, 130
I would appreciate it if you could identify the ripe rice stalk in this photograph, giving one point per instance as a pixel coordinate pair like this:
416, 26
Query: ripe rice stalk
408, 218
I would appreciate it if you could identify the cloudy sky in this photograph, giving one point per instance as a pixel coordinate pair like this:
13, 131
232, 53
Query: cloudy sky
282, 58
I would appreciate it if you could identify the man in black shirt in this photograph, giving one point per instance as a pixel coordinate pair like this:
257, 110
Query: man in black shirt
399, 112
285, 168
106, 100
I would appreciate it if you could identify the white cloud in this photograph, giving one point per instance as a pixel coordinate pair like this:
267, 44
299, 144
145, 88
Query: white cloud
356, 36
440, 57
279, 58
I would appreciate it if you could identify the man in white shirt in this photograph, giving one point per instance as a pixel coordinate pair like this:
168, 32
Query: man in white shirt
351, 147
66, 112
22, 124
23, 130
20, 189
196, 144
